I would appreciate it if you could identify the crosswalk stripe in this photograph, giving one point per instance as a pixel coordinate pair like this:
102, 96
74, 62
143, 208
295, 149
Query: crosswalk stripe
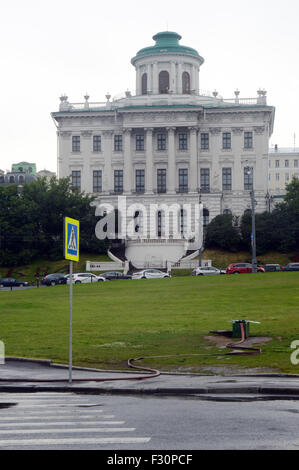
57, 405
64, 441
49, 417
59, 430
60, 423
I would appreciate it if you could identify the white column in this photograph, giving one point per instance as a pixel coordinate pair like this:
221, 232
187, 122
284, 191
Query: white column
180, 83
171, 170
193, 177
216, 173
193, 78
173, 78
107, 150
155, 79
149, 160
127, 161
149, 78
138, 81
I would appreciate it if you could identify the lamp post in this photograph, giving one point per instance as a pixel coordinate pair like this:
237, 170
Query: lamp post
249, 172
200, 233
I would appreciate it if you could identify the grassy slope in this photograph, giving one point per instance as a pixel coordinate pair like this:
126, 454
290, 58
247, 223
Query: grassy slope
114, 321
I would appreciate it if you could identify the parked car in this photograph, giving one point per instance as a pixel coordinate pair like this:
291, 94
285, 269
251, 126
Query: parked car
150, 274
291, 267
113, 276
206, 271
240, 268
84, 278
272, 267
54, 279
12, 282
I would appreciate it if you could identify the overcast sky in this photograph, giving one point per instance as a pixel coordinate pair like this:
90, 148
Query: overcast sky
69, 46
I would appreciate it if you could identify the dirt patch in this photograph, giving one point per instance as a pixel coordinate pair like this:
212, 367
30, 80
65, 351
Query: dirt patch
221, 341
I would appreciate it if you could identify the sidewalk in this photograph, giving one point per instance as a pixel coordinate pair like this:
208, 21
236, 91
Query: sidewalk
19, 371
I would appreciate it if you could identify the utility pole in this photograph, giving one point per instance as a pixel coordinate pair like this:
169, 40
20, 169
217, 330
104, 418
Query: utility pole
249, 172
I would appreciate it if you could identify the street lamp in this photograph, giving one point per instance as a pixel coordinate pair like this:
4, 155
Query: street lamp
249, 172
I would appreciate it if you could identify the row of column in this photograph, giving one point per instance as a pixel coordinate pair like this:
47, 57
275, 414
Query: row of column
175, 77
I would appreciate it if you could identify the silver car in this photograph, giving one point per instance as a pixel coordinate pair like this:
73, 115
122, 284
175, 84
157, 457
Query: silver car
206, 271
150, 274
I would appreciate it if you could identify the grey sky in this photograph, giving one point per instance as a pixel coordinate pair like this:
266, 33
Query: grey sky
70, 46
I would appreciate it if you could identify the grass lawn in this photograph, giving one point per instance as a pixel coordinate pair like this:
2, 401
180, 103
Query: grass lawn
117, 320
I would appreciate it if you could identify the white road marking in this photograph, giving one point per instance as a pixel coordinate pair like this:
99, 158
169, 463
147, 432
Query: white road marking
50, 416
59, 423
64, 441
59, 430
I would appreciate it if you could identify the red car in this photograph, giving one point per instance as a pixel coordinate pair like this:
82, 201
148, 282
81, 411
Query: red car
240, 268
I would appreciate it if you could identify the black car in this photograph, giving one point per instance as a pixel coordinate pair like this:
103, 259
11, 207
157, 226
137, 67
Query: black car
12, 282
113, 276
54, 279
291, 267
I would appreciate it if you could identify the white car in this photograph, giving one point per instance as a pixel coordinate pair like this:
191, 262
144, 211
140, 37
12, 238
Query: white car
150, 274
206, 271
83, 278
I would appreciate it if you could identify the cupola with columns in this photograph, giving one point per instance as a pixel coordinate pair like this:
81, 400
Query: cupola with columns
167, 67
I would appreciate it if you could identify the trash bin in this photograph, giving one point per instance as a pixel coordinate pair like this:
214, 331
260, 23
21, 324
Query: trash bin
237, 332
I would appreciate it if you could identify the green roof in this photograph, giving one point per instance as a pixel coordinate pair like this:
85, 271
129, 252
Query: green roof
167, 42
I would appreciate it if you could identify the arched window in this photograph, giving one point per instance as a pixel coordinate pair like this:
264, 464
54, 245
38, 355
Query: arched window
21, 179
186, 82
227, 212
12, 179
159, 224
163, 82
1, 178
144, 84
206, 215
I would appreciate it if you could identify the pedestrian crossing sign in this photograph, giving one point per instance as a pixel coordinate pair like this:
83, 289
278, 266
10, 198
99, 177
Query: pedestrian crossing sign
71, 239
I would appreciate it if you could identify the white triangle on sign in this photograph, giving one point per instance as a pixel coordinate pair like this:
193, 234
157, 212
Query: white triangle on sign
72, 245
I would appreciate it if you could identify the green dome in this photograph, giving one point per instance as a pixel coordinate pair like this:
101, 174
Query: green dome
167, 42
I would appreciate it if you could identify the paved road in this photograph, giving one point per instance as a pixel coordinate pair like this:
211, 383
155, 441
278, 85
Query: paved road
76, 421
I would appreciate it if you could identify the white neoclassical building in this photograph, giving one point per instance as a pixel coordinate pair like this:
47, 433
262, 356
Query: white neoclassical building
169, 143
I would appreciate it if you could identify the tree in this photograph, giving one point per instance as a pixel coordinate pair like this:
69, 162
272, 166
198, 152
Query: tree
222, 232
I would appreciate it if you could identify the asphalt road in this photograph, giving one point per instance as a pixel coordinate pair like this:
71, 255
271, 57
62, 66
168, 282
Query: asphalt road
104, 422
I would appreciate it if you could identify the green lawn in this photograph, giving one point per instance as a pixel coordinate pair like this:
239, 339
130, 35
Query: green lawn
114, 321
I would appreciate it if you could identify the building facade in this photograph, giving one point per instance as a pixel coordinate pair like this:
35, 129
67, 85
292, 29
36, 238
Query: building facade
283, 166
168, 143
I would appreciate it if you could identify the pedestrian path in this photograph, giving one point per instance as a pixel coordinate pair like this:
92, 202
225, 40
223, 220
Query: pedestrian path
61, 420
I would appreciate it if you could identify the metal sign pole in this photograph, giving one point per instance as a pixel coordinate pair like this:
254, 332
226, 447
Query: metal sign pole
70, 322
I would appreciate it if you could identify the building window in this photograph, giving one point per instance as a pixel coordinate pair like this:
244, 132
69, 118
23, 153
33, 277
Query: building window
182, 222
159, 224
248, 179
295, 163
204, 141
276, 163
227, 212
183, 141
97, 143
286, 163
287, 177
11, 179
76, 143
226, 140
161, 141
163, 82
226, 179
205, 180
118, 143
183, 180
21, 179
97, 181
76, 179
186, 82
269, 163
140, 142
161, 180
248, 140
277, 176
206, 215
20, 169
139, 181
118, 181
144, 84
